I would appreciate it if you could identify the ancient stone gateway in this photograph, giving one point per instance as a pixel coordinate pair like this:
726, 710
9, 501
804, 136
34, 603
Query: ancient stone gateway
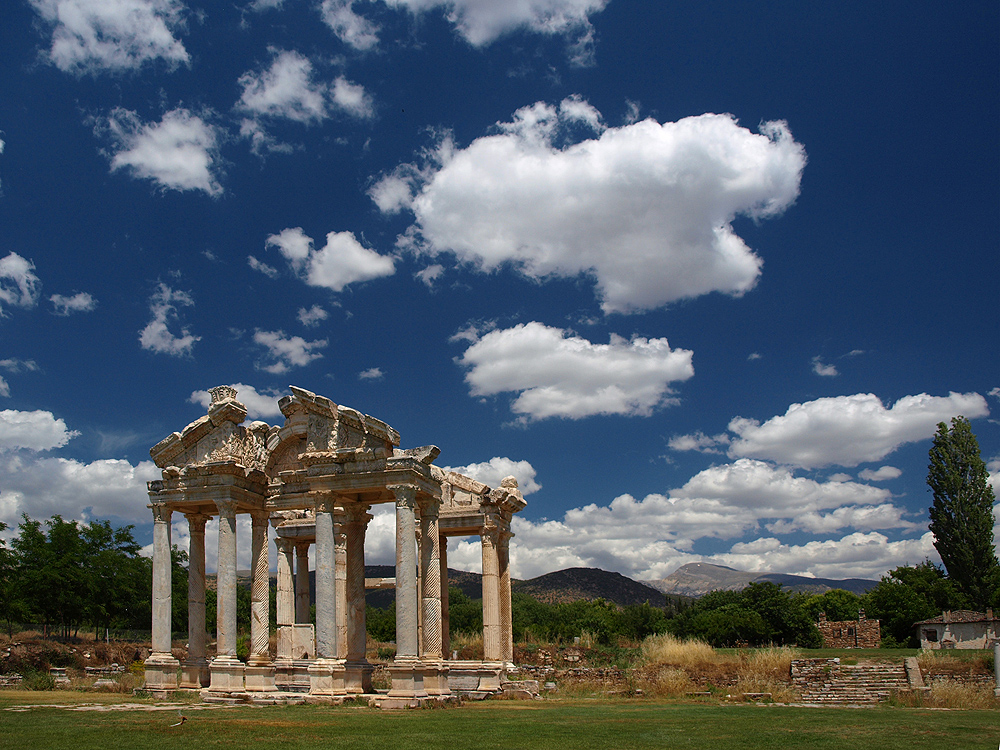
313, 480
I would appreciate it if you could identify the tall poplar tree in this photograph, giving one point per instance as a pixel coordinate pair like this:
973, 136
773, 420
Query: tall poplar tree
962, 511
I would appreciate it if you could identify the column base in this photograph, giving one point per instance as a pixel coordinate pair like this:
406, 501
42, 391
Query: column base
227, 675
407, 680
195, 674
326, 678
161, 673
358, 677
436, 677
292, 675
478, 678
260, 677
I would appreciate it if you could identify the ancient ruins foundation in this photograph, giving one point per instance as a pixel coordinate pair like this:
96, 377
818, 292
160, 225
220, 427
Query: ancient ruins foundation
313, 480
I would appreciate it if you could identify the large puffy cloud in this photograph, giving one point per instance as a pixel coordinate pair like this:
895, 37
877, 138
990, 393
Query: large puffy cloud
32, 430
492, 472
156, 336
646, 209
342, 261
848, 430
651, 537
178, 153
19, 286
561, 375
41, 487
89, 36
287, 89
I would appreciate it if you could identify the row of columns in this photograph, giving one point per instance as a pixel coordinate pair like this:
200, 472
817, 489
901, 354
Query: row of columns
422, 643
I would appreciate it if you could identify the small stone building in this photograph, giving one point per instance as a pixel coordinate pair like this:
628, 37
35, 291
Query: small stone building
860, 633
959, 629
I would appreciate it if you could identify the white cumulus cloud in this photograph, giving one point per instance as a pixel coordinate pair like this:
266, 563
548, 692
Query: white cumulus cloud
498, 468
350, 27
286, 89
287, 351
480, 23
32, 430
342, 261
90, 36
178, 153
881, 474
645, 209
79, 302
19, 287
313, 316
848, 430
157, 336
557, 374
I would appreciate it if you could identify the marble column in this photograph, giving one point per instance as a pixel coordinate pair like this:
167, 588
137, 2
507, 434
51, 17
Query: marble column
359, 671
445, 634
259, 670
491, 595
435, 670
340, 581
194, 671
506, 624
302, 602
326, 673
226, 669
285, 598
161, 666
407, 676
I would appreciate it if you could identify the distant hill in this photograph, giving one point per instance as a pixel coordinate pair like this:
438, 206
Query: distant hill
697, 579
573, 584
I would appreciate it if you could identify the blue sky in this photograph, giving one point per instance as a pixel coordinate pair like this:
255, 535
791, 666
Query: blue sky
703, 275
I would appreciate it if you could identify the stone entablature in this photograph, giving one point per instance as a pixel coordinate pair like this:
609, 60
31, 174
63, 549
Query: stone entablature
959, 629
860, 633
314, 479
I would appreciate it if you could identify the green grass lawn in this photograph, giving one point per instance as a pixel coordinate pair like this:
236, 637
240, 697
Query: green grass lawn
492, 724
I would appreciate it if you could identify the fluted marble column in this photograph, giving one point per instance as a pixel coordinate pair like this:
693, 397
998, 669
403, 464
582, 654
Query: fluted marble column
326, 673
340, 581
435, 669
430, 567
445, 634
194, 672
260, 670
406, 671
161, 666
358, 677
506, 624
226, 669
406, 573
491, 595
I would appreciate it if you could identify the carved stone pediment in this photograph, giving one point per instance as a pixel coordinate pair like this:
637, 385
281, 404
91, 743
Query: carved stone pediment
217, 437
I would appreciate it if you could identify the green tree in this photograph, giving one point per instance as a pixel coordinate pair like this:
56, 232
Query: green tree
962, 510
837, 604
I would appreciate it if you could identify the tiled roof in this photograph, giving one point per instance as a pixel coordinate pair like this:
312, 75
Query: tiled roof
959, 615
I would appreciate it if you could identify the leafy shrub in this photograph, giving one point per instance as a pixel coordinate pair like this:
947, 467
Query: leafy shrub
38, 681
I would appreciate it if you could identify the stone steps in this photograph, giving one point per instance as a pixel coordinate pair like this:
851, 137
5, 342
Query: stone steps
829, 681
